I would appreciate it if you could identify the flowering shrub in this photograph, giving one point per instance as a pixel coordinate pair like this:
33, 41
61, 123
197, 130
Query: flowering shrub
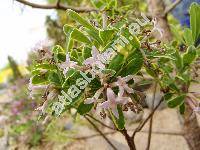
102, 65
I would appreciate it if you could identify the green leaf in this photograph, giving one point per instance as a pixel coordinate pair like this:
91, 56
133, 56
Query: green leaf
111, 4
106, 35
54, 78
76, 34
194, 21
86, 53
71, 78
178, 60
84, 108
38, 79
121, 121
95, 36
61, 57
173, 86
45, 66
182, 108
76, 17
98, 3
168, 96
76, 55
151, 69
68, 32
109, 72
164, 56
57, 49
175, 32
189, 56
176, 101
134, 41
134, 63
117, 62
188, 37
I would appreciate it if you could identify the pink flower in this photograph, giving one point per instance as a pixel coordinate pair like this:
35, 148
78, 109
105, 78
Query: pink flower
122, 84
113, 101
95, 97
94, 61
67, 64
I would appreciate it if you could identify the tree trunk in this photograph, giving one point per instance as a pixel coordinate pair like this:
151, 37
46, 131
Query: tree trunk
156, 9
191, 129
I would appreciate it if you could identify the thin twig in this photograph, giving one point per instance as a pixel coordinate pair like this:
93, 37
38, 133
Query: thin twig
103, 124
102, 134
58, 6
171, 7
151, 120
141, 125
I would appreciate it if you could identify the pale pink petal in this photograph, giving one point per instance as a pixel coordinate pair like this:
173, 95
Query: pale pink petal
114, 84
105, 105
122, 100
63, 65
95, 52
121, 91
89, 61
67, 58
110, 94
72, 64
100, 64
128, 89
89, 100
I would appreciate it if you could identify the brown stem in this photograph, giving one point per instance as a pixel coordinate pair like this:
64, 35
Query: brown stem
102, 134
58, 6
151, 120
129, 140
